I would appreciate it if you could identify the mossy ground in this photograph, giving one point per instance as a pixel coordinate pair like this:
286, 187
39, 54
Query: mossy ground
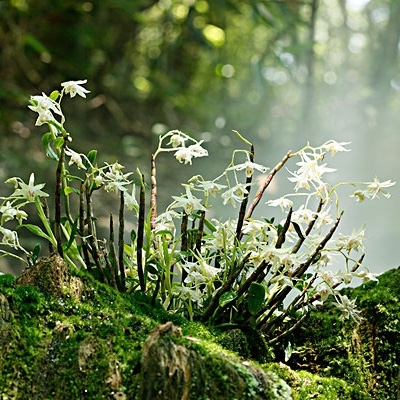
367, 354
87, 344
60, 347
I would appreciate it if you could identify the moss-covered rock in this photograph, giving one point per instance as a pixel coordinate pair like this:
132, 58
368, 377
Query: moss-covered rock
175, 369
63, 335
66, 336
366, 353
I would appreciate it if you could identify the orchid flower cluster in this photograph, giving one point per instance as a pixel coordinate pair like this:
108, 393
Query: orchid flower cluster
241, 270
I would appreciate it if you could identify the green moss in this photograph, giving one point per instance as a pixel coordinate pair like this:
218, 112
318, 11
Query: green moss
58, 344
6, 282
89, 346
306, 385
247, 343
366, 354
86, 341
309, 385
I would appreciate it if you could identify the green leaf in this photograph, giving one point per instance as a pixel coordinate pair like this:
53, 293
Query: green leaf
68, 190
128, 250
72, 234
37, 231
256, 297
288, 352
36, 252
133, 235
316, 258
47, 140
35, 44
227, 298
209, 225
297, 228
165, 232
92, 155
74, 178
54, 95
152, 268
58, 142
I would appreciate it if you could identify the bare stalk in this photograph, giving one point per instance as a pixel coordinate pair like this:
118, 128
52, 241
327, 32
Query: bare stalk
140, 235
282, 236
304, 266
243, 206
121, 230
253, 277
265, 184
111, 260
291, 329
294, 305
153, 195
184, 241
81, 228
300, 301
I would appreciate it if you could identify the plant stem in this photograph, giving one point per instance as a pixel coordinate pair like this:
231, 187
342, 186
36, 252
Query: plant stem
282, 235
81, 227
294, 305
153, 195
265, 184
57, 197
304, 266
279, 297
226, 286
67, 206
200, 231
291, 329
140, 235
94, 248
253, 277
184, 242
111, 261
46, 214
243, 206
121, 241
43, 217
310, 226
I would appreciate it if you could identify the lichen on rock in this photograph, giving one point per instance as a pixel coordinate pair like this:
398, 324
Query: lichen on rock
50, 275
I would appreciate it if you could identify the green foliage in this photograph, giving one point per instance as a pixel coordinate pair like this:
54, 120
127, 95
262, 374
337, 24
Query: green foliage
256, 297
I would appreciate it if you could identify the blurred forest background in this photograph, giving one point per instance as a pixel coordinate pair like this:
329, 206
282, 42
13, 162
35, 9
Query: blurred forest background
282, 72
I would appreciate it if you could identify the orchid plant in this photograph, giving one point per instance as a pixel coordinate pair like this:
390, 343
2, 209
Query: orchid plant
231, 272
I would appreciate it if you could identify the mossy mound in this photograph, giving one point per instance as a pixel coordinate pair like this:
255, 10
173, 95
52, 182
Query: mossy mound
367, 353
60, 342
63, 335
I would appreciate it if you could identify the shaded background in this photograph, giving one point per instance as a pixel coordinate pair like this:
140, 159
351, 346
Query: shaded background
280, 72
